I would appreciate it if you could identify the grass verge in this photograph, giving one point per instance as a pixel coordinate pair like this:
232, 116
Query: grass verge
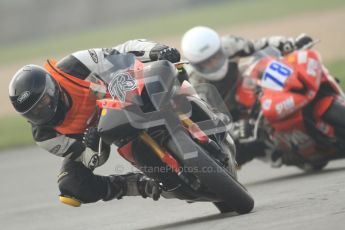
15, 132
337, 69
174, 23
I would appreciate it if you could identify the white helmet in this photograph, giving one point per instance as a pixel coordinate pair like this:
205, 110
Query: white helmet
202, 47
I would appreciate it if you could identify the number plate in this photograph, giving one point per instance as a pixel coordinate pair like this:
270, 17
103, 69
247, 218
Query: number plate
275, 76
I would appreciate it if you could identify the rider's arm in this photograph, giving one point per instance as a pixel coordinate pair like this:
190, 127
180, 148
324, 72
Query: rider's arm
81, 63
67, 146
57, 144
239, 47
285, 45
147, 51
236, 47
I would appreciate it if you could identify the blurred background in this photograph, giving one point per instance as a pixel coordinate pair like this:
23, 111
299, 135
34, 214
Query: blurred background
34, 30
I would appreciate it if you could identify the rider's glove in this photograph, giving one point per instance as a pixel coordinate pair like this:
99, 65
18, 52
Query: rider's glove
132, 184
235, 47
91, 140
91, 157
302, 41
283, 44
169, 54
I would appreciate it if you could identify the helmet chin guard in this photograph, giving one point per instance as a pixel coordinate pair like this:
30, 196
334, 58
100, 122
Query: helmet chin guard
215, 76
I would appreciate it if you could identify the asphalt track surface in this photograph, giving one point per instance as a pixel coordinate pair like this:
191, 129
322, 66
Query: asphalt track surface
286, 198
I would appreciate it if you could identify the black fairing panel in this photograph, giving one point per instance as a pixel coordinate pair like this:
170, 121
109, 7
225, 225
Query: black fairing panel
115, 125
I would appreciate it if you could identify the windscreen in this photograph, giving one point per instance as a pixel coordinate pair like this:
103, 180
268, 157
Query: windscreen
121, 76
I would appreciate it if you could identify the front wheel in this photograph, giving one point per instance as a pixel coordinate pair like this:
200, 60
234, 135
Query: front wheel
313, 167
223, 207
335, 116
217, 179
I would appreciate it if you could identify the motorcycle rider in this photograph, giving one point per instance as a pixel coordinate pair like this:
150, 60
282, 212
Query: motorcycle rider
56, 102
214, 60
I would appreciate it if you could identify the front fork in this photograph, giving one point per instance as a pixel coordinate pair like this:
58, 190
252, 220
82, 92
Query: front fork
210, 145
169, 160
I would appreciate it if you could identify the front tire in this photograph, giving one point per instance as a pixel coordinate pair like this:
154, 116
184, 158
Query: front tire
313, 167
335, 116
223, 207
217, 179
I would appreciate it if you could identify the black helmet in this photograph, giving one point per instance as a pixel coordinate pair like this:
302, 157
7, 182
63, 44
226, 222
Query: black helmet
35, 94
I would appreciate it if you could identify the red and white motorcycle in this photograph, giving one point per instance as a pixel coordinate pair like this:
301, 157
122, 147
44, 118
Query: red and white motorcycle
301, 107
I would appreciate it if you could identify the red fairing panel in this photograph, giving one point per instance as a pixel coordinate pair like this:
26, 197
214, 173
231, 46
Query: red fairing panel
277, 105
245, 93
138, 74
308, 68
126, 152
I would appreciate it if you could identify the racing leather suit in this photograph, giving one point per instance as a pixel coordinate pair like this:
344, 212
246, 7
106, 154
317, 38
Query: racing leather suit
76, 178
230, 86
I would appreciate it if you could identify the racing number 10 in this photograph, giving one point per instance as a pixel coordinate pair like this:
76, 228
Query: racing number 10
275, 75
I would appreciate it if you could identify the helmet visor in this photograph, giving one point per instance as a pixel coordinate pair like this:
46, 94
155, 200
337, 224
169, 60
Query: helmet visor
45, 107
211, 64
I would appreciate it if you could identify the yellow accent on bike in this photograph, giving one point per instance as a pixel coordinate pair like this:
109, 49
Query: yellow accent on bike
152, 144
104, 112
70, 201
179, 65
186, 120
